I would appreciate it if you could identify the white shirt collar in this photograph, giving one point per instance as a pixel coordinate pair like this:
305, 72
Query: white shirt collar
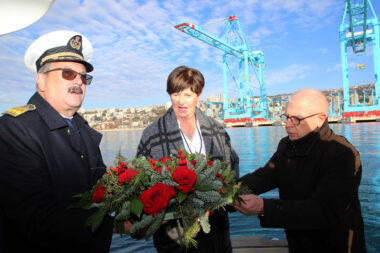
197, 144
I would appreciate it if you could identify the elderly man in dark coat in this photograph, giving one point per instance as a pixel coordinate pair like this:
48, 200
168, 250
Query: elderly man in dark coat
48, 153
318, 174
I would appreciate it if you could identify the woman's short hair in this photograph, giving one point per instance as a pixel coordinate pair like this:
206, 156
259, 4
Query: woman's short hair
184, 77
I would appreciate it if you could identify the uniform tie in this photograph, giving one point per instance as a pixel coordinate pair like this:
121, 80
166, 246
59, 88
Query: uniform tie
76, 139
72, 125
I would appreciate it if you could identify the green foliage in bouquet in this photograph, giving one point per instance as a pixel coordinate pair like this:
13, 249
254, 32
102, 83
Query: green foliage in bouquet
147, 192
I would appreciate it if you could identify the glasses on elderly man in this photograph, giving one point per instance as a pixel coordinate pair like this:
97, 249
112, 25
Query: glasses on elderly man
295, 120
69, 74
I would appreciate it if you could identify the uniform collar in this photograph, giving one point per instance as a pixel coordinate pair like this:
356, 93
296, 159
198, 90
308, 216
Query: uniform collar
51, 117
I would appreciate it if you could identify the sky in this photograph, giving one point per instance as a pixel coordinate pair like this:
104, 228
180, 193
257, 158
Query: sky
136, 47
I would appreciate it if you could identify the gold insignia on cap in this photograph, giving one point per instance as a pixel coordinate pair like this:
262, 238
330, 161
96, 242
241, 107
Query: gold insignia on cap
18, 110
61, 56
75, 42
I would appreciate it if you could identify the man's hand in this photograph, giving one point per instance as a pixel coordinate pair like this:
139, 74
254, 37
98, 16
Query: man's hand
253, 204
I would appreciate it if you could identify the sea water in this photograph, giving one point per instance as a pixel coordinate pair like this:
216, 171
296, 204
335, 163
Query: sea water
255, 146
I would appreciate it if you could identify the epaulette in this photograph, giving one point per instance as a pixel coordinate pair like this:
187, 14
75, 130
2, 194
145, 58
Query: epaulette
18, 110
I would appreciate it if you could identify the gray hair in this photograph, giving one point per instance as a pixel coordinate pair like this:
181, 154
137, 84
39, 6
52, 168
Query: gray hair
44, 68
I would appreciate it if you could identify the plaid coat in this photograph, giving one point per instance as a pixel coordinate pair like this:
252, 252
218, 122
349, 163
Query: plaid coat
163, 136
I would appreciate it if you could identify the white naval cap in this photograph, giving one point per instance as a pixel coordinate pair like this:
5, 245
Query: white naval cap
59, 46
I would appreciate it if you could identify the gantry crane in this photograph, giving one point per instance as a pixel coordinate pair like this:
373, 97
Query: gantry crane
335, 108
357, 30
233, 43
277, 103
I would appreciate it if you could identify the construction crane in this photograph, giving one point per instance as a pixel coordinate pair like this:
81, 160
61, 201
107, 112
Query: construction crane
335, 108
277, 104
233, 43
357, 30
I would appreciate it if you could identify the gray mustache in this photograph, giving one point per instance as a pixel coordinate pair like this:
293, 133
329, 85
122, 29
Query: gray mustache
75, 89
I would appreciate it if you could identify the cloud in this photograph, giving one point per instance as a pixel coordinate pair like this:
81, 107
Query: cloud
136, 45
338, 66
335, 67
287, 74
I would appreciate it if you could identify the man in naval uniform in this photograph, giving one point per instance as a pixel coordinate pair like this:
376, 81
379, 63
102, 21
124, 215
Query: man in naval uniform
48, 153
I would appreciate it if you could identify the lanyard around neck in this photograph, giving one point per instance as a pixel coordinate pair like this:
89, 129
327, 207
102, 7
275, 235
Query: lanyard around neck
200, 138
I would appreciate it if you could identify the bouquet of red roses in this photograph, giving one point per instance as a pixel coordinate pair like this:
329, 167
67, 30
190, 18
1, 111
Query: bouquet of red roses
147, 192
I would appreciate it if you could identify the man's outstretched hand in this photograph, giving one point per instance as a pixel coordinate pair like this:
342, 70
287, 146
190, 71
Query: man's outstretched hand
251, 204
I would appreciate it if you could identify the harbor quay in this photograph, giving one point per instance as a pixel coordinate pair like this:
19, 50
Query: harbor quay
140, 117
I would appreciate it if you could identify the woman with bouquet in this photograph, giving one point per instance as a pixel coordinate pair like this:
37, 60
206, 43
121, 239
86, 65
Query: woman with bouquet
185, 126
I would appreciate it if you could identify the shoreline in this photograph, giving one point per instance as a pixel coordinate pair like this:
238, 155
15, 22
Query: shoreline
121, 129
331, 121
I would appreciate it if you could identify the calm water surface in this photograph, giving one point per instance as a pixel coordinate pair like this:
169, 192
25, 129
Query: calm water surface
255, 146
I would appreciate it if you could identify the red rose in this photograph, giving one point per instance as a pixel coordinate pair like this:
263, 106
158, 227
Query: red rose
156, 198
182, 162
193, 162
127, 176
153, 162
164, 159
158, 169
119, 169
210, 163
218, 175
185, 178
98, 195
182, 167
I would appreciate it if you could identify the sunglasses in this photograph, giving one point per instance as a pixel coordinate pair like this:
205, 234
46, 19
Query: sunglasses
69, 74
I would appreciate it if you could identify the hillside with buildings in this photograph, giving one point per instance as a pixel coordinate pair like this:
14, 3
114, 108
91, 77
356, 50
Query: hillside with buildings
140, 117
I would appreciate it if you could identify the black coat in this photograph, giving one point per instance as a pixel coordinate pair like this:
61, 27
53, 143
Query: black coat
40, 171
318, 178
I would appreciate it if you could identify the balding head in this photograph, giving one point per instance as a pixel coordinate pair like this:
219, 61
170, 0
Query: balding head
310, 107
313, 101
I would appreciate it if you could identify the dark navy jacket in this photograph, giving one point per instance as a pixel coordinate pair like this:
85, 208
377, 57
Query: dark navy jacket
40, 171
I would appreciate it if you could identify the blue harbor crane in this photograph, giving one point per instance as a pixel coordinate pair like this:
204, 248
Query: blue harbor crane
233, 43
209, 106
277, 104
357, 30
335, 108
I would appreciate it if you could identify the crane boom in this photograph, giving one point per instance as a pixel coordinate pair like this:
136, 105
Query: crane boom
233, 43
204, 36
